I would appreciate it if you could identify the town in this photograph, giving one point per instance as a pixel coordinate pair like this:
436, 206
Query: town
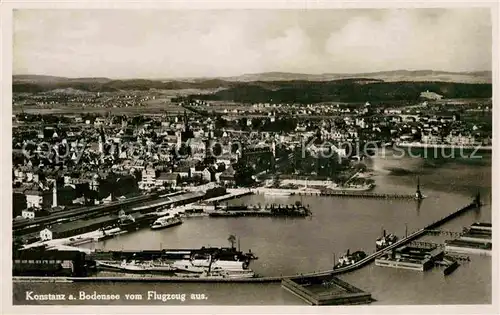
93, 158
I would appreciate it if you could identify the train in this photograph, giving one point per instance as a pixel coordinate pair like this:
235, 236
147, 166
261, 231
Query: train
40, 262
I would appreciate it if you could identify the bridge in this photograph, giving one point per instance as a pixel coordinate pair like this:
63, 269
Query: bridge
368, 259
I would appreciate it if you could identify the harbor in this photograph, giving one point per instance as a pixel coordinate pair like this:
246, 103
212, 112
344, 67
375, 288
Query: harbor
137, 279
333, 272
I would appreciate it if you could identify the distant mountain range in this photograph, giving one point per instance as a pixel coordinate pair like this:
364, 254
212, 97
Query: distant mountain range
387, 76
286, 87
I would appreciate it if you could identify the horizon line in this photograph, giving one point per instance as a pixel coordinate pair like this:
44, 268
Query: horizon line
248, 74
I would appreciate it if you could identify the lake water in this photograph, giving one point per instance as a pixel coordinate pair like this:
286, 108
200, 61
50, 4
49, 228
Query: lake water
298, 245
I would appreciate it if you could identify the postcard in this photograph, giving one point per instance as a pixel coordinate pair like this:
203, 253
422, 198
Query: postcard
312, 157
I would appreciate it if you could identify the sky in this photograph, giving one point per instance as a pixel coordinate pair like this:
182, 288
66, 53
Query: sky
218, 43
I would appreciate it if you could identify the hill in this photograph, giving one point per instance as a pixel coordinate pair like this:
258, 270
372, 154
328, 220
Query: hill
353, 90
388, 76
364, 87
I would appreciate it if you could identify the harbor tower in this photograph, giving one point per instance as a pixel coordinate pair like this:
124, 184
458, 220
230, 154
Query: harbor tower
418, 193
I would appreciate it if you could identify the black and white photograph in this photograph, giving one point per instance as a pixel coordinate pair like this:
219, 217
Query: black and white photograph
300, 157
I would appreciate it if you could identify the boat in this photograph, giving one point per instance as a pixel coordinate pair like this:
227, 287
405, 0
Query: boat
137, 266
349, 259
279, 193
385, 240
201, 265
218, 274
221, 254
295, 210
166, 222
178, 210
364, 187
131, 223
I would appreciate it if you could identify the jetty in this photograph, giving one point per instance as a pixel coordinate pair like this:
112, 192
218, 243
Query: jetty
355, 194
342, 192
334, 193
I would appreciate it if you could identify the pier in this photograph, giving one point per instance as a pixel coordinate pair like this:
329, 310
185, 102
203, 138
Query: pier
333, 193
361, 194
368, 259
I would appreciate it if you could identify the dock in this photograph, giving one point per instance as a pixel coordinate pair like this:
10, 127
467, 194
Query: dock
333, 193
326, 291
409, 257
362, 194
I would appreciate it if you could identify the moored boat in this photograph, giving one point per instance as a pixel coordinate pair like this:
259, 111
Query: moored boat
166, 222
385, 240
135, 266
349, 259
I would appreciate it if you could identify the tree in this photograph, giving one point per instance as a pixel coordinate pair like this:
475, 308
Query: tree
220, 123
217, 149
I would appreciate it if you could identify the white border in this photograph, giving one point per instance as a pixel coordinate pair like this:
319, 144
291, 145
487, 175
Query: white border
6, 110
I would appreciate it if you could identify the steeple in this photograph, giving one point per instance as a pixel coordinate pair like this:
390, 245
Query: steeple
186, 133
102, 140
186, 124
54, 195
208, 144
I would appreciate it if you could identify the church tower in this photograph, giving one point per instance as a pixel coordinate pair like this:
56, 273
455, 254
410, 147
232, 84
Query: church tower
54, 195
102, 140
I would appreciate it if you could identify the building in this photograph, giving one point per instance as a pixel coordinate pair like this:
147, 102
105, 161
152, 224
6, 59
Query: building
45, 235
168, 179
184, 171
460, 139
70, 229
148, 178
28, 214
227, 178
38, 198
430, 138
430, 95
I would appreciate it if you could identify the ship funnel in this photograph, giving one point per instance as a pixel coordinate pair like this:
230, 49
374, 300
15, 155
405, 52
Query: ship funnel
384, 233
347, 254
